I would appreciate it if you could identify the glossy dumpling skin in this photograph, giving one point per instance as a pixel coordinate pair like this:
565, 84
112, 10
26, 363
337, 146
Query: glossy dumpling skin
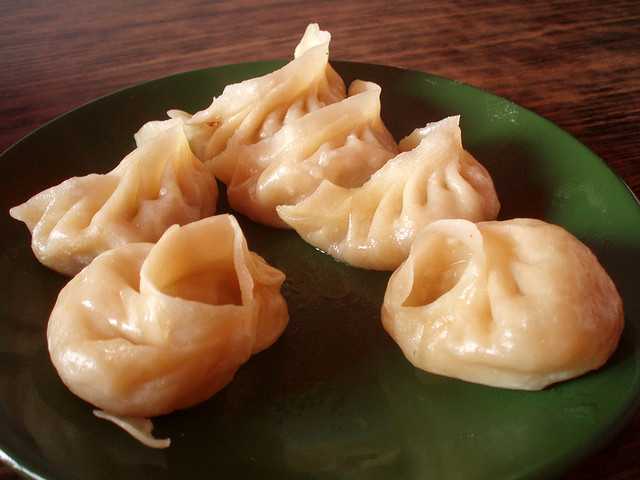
147, 329
343, 143
157, 185
373, 226
517, 304
254, 109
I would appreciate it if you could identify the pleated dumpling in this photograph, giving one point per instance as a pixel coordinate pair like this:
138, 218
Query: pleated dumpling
373, 226
343, 143
254, 109
517, 304
147, 329
157, 185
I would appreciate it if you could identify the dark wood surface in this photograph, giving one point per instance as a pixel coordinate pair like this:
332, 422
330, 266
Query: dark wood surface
574, 62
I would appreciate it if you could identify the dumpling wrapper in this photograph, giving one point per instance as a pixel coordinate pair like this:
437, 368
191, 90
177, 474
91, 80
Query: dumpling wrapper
148, 329
373, 226
139, 428
343, 143
254, 109
518, 304
157, 185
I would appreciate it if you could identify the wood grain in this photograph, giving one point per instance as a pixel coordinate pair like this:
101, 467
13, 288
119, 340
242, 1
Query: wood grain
574, 62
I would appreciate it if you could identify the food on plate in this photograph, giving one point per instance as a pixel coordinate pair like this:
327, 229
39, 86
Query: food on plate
515, 304
254, 109
157, 185
372, 226
273, 139
148, 329
343, 143
145, 328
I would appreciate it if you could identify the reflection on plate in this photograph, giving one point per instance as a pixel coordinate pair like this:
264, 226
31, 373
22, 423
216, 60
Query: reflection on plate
334, 398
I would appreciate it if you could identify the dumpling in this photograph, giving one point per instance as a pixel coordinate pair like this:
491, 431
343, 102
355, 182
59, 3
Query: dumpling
373, 226
157, 185
343, 143
254, 109
516, 304
273, 139
148, 329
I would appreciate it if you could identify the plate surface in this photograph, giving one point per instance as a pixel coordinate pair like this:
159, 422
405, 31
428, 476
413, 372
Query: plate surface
334, 397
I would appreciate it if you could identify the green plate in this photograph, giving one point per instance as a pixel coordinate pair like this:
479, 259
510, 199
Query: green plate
334, 398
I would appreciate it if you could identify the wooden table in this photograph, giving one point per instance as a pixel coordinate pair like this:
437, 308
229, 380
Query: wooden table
574, 62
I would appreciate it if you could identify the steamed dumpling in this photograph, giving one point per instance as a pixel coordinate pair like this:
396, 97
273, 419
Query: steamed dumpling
147, 329
517, 304
157, 185
274, 138
343, 143
373, 226
254, 109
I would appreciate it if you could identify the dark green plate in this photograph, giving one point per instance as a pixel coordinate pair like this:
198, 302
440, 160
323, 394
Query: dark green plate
334, 398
